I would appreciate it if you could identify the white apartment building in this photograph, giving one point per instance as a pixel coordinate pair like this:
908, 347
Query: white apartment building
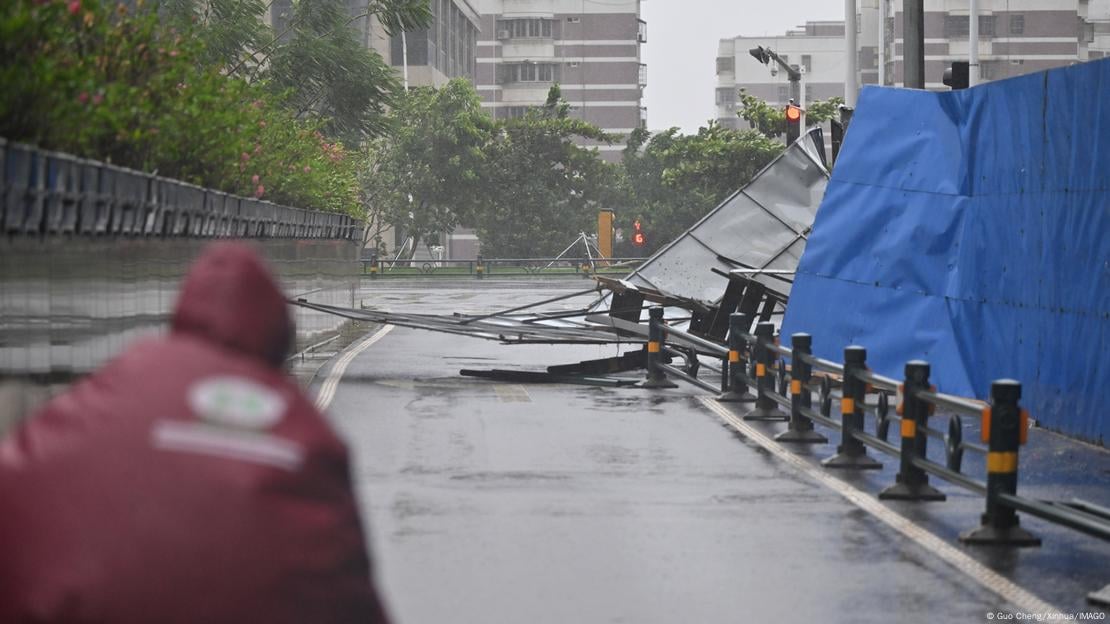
591, 48
816, 47
1015, 37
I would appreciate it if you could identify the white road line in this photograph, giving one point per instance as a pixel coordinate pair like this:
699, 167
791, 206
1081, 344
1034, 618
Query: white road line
327, 390
989, 579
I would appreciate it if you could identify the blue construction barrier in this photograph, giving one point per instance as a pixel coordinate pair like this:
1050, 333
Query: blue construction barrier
972, 229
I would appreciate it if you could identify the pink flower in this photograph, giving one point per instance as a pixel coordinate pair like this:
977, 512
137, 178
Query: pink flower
257, 149
257, 104
255, 179
74, 7
97, 99
245, 156
260, 191
83, 97
262, 124
173, 53
307, 168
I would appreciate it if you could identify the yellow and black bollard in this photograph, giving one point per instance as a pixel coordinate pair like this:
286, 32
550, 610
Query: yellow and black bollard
1005, 427
801, 427
479, 268
912, 483
656, 377
852, 453
374, 266
737, 391
765, 407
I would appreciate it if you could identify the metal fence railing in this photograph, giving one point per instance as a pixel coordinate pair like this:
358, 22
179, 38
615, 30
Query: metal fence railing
48, 193
480, 267
754, 368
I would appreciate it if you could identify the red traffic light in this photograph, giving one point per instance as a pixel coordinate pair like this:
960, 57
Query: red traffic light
793, 113
638, 238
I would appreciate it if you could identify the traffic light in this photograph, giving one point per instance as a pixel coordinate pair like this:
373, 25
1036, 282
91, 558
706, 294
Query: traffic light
958, 75
793, 114
638, 238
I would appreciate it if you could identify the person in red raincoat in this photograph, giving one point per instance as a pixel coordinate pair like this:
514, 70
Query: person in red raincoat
188, 480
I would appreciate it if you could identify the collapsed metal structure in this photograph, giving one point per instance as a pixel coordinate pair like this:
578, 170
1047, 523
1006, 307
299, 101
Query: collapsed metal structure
738, 258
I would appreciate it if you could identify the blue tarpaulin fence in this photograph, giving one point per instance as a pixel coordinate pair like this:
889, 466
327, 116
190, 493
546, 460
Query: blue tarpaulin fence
972, 229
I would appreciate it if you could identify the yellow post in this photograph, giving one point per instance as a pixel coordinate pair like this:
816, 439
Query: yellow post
605, 233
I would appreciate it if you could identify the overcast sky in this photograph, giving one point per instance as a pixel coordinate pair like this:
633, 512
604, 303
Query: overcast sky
681, 50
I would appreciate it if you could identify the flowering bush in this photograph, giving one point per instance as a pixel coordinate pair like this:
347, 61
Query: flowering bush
112, 83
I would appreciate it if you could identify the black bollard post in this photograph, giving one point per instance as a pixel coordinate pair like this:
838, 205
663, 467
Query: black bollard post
480, 268
765, 406
852, 453
912, 483
801, 427
1004, 429
656, 378
737, 390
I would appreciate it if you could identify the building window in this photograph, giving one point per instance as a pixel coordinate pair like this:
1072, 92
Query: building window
527, 72
955, 26
643, 75
524, 29
807, 62
514, 112
1017, 24
725, 64
784, 94
986, 25
641, 34
726, 96
1086, 31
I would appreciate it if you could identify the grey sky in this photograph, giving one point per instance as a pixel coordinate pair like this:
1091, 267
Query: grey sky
682, 48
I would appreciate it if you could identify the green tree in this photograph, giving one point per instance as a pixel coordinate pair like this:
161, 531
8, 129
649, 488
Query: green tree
316, 63
542, 188
113, 83
428, 173
672, 180
771, 120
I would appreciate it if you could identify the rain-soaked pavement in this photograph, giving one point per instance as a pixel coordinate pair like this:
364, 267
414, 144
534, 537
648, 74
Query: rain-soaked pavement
493, 502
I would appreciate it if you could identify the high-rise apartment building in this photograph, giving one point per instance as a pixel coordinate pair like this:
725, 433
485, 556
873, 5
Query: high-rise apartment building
446, 49
591, 48
1015, 37
816, 47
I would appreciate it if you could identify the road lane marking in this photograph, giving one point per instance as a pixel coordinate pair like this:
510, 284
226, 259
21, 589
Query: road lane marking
327, 390
1009, 591
509, 393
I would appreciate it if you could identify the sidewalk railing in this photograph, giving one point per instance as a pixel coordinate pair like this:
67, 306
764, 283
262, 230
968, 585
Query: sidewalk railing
47, 193
754, 369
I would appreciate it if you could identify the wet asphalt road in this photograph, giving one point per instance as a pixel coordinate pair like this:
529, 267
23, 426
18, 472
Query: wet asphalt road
492, 502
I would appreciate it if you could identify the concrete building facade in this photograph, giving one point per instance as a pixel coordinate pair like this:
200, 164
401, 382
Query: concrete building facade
1015, 37
591, 48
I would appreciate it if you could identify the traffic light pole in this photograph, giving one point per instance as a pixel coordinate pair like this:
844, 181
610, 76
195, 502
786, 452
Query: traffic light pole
973, 44
913, 34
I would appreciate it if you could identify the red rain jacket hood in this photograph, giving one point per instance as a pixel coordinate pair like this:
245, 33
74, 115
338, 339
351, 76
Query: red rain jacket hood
230, 299
187, 481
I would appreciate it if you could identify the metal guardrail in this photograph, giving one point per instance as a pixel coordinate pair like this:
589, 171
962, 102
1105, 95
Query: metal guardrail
480, 267
49, 193
756, 371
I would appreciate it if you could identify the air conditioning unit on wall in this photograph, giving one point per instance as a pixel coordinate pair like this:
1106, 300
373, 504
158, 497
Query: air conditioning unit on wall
503, 34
